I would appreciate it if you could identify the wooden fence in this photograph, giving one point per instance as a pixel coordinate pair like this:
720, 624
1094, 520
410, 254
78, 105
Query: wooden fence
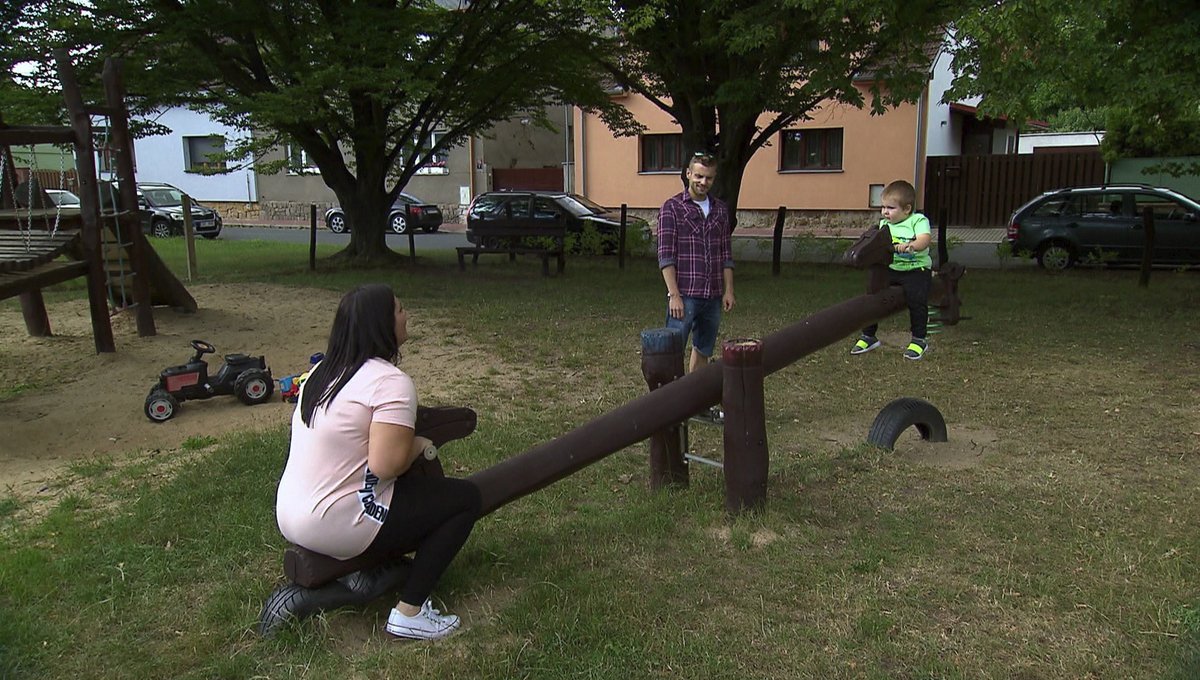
983, 191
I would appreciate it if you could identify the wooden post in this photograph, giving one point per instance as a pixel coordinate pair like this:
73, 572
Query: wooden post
1147, 247
412, 245
621, 237
189, 236
128, 225
662, 363
943, 244
312, 236
746, 459
777, 240
89, 201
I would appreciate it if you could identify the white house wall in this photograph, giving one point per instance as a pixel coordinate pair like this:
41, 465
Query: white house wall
162, 159
1040, 140
944, 133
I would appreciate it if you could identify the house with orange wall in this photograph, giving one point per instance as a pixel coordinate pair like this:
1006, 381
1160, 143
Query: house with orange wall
836, 163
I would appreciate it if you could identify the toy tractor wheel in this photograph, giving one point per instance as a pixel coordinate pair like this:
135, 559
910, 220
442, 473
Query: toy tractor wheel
161, 406
253, 387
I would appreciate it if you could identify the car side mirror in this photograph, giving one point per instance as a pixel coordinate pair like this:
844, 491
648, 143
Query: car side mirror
142, 203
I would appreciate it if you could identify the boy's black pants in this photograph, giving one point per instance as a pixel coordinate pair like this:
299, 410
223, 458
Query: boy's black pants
916, 284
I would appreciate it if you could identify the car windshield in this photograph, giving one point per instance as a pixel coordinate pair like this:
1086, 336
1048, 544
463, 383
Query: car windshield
163, 197
580, 206
63, 197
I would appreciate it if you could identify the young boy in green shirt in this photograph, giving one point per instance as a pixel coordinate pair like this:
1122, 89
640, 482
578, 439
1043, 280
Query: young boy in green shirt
911, 267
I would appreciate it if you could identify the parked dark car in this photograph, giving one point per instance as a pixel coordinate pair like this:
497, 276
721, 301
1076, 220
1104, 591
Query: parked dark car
407, 211
1104, 224
543, 208
161, 209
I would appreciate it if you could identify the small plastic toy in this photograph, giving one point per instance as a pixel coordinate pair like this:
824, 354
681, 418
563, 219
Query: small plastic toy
289, 385
242, 375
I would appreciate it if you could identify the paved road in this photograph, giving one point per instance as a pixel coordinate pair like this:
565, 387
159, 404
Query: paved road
975, 255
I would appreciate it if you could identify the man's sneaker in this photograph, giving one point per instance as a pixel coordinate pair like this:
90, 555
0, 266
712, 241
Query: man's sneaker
427, 624
865, 344
916, 349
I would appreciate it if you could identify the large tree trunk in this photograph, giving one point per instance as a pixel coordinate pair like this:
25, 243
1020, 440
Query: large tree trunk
366, 201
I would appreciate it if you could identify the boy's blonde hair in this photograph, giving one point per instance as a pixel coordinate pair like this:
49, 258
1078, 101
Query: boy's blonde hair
903, 193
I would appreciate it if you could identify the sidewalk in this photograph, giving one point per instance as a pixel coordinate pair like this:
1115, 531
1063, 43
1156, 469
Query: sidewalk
954, 234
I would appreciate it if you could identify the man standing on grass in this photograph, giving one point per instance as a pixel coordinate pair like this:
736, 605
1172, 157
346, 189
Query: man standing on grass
695, 255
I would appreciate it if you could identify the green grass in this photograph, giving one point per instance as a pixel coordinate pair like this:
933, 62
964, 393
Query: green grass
1067, 550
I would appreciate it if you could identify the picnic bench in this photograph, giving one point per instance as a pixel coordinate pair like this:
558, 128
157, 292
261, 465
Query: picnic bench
512, 240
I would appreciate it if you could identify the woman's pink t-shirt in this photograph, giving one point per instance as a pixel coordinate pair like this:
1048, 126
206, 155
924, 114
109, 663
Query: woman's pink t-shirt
328, 500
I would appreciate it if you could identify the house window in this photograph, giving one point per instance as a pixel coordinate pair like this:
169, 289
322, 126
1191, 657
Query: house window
298, 161
661, 153
203, 153
812, 149
437, 163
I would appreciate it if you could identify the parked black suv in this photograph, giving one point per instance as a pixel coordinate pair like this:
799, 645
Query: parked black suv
161, 209
1104, 224
544, 208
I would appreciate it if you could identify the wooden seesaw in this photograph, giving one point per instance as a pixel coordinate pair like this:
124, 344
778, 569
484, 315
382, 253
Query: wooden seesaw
318, 582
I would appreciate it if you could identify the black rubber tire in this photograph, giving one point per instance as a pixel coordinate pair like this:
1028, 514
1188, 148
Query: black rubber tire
253, 387
160, 406
902, 414
161, 228
337, 223
1056, 256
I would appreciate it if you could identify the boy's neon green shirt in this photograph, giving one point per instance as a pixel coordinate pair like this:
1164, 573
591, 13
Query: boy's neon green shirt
907, 232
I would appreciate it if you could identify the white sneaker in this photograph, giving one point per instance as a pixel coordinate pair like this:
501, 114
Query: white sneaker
427, 624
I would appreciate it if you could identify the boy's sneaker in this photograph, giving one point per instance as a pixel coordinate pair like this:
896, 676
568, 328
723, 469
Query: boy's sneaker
865, 344
916, 349
427, 624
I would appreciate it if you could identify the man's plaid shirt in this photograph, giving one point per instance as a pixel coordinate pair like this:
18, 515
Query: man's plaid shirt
698, 246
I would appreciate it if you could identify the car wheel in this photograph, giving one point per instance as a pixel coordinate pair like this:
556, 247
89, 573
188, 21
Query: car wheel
160, 228
1055, 256
336, 223
160, 405
253, 387
399, 224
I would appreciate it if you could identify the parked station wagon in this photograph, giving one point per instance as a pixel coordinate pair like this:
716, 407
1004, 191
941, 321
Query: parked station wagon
1105, 224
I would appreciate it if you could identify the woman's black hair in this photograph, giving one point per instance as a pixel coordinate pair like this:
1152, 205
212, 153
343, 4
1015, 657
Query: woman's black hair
364, 328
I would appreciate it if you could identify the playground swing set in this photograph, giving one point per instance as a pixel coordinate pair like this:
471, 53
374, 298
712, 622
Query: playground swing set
318, 582
43, 243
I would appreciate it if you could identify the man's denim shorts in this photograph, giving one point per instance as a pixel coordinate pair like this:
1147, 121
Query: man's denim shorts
701, 318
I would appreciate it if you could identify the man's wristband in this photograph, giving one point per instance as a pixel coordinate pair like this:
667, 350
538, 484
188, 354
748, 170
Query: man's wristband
671, 295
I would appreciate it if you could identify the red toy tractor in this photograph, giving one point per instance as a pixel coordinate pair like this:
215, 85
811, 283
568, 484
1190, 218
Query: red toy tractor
245, 376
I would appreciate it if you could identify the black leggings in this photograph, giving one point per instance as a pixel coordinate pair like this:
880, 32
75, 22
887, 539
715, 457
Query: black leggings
916, 284
433, 516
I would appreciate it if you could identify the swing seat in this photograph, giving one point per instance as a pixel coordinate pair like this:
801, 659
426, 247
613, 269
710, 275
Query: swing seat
23, 250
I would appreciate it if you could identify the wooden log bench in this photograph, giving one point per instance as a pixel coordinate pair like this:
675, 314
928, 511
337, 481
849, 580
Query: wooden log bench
512, 240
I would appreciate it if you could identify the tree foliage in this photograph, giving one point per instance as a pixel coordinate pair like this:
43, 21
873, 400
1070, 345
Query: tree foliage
718, 67
359, 85
1137, 59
